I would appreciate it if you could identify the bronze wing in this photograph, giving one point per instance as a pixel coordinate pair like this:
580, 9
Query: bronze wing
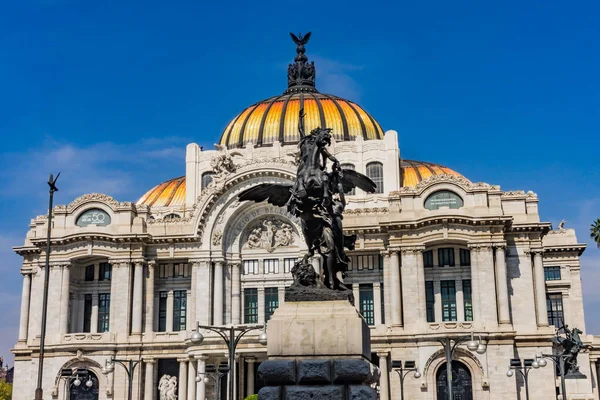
275, 193
352, 179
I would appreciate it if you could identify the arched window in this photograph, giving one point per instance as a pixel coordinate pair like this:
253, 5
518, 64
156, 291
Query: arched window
93, 216
350, 166
207, 178
375, 172
169, 217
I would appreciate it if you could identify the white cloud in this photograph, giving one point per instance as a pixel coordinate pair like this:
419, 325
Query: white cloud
334, 77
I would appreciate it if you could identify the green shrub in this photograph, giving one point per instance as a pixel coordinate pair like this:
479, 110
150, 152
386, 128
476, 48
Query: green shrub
252, 397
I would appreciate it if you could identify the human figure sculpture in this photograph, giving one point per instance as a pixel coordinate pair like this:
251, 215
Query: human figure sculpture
317, 197
571, 345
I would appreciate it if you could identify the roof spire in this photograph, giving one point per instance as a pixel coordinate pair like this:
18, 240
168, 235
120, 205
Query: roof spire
301, 74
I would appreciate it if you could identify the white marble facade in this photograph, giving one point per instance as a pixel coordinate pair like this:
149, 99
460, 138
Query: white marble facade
209, 252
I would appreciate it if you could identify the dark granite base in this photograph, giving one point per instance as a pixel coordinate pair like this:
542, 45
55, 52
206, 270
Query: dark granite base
337, 379
301, 293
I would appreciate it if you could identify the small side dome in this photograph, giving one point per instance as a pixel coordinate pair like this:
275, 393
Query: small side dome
413, 172
166, 194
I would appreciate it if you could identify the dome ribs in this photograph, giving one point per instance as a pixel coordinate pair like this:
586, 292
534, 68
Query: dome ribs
360, 120
261, 128
282, 120
342, 116
242, 134
321, 112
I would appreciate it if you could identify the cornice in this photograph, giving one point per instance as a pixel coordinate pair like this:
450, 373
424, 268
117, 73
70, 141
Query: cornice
460, 181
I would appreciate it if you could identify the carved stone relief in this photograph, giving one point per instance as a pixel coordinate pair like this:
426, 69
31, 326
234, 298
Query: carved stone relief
269, 234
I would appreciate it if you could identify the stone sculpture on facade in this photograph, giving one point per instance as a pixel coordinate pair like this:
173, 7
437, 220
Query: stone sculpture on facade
167, 387
317, 197
223, 164
270, 234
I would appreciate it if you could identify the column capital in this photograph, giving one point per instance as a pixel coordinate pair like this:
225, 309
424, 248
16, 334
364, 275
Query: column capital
411, 249
250, 360
119, 263
385, 253
480, 246
139, 262
183, 360
499, 246
59, 264
382, 353
149, 360
537, 251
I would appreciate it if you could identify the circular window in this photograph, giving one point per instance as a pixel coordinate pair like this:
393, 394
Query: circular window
94, 216
443, 198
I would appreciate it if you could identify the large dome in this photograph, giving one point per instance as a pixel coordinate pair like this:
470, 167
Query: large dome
276, 118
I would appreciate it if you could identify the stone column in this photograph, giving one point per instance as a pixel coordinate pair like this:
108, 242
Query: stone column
192, 380
202, 292
182, 380
502, 285
475, 292
386, 287
191, 305
460, 300
201, 386
189, 323
421, 307
235, 294
151, 267
64, 299
120, 297
394, 289
138, 290
81, 311
261, 305
280, 295
25, 296
218, 294
242, 377
169, 322
94, 317
437, 295
250, 378
384, 387
356, 294
377, 302
149, 388
540, 288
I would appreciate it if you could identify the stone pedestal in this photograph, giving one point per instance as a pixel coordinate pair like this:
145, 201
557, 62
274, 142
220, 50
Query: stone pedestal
317, 350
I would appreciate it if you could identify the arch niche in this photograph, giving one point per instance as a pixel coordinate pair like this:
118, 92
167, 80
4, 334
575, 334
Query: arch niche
462, 382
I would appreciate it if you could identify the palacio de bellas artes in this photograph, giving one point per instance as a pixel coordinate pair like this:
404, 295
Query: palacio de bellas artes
184, 293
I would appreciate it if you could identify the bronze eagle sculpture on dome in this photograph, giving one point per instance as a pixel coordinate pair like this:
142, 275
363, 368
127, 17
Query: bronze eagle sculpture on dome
317, 197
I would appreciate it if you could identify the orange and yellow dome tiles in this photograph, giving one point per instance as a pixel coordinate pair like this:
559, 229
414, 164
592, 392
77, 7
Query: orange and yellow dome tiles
276, 119
172, 192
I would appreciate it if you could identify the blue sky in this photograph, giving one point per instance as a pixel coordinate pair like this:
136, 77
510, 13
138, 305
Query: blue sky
110, 93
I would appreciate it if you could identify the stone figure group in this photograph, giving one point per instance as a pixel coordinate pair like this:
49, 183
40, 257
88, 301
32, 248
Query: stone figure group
167, 387
270, 234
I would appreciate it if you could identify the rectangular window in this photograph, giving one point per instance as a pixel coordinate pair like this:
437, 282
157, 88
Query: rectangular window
467, 296
430, 301
382, 305
367, 261
428, 259
179, 310
103, 312
250, 306
367, 308
288, 264
556, 315
380, 262
87, 313
271, 301
164, 270
552, 273
162, 312
465, 257
89, 272
446, 257
448, 300
105, 272
181, 270
250, 267
271, 266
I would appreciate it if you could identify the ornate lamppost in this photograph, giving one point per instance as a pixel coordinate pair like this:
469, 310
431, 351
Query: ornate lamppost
215, 374
403, 371
128, 365
39, 392
524, 368
232, 336
450, 344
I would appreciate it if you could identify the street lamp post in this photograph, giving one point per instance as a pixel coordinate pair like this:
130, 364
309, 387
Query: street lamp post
450, 344
39, 392
214, 373
232, 336
403, 371
559, 361
524, 368
128, 365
